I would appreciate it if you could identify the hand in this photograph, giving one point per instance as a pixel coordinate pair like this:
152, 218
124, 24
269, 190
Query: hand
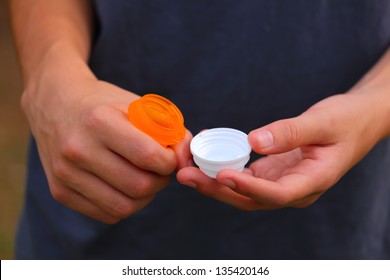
95, 161
306, 156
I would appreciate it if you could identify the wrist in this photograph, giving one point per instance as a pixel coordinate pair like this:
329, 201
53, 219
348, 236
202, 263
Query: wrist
375, 98
375, 86
57, 78
60, 64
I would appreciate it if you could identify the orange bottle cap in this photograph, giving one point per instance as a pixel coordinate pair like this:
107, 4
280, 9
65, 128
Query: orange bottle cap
159, 118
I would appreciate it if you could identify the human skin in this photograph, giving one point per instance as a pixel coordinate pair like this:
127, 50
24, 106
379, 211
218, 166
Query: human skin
306, 155
95, 161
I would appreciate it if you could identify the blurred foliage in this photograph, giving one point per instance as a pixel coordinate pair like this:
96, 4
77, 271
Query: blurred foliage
13, 138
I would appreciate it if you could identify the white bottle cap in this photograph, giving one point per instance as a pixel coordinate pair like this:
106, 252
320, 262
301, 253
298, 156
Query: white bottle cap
220, 148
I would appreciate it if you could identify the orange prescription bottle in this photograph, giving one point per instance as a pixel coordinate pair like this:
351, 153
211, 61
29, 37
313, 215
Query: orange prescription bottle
159, 118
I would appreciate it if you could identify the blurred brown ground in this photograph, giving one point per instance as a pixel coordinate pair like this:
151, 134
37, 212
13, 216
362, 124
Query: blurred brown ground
13, 138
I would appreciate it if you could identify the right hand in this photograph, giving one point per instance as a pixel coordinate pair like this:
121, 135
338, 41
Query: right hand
95, 161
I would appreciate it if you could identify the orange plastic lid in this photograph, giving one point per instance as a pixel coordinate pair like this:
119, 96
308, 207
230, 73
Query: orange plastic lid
159, 118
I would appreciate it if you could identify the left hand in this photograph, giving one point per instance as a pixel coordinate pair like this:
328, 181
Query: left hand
306, 155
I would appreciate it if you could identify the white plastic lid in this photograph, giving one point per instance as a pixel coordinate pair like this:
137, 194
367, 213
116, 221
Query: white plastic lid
220, 148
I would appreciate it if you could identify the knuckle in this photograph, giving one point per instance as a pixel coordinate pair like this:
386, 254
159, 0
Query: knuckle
153, 160
168, 168
96, 117
149, 185
123, 210
290, 132
61, 194
149, 156
61, 171
142, 187
72, 149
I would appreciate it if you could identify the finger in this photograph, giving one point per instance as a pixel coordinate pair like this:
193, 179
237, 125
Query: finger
79, 203
193, 177
144, 151
286, 135
272, 167
183, 153
118, 134
284, 192
121, 174
107, 198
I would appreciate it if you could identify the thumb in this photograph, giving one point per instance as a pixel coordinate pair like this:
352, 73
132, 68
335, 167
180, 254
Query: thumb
183, 153
285, 135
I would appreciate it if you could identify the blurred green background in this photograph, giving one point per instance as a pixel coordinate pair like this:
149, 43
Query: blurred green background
13, 138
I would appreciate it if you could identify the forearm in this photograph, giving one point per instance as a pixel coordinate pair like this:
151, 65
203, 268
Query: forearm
51, 34
376, 86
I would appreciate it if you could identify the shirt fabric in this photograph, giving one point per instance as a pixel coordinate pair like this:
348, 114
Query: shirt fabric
239, 64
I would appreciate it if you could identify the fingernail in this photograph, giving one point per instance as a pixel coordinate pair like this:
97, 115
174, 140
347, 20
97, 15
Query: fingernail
228, 183
266, 138
191, 184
